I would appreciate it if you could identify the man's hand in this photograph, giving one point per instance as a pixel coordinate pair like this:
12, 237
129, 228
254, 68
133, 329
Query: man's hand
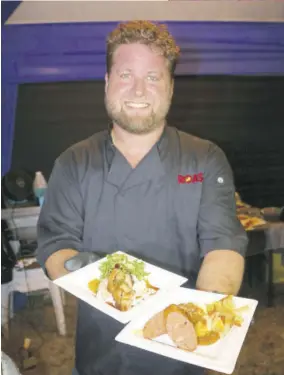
221, 271
64, 261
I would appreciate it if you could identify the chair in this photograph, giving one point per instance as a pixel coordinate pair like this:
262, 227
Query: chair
28, 276
8, 366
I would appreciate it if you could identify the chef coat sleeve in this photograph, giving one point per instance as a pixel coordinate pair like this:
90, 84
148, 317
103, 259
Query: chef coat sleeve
60, 223
218, 226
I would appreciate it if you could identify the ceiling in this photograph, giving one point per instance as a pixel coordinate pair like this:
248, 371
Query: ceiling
42, 11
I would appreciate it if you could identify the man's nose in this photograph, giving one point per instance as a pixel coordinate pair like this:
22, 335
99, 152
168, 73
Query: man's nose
139, 87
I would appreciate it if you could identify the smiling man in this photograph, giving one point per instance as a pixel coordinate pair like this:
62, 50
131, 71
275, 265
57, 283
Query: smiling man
145, 188
138, 90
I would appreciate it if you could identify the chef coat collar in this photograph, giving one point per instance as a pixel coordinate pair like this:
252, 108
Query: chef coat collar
121, 174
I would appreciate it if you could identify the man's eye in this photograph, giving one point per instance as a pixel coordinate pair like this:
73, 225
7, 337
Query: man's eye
152, 78
125, 75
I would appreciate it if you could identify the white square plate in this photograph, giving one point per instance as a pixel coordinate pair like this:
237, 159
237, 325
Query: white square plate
221, 356
76, 283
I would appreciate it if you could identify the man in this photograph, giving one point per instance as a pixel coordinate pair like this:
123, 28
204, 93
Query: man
145, 188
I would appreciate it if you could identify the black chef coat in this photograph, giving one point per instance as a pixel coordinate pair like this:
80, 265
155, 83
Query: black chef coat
171, 210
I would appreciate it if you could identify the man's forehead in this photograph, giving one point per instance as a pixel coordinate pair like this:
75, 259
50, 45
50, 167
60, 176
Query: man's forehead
138, 51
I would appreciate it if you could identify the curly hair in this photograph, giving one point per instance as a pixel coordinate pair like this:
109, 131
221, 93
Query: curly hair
153, 35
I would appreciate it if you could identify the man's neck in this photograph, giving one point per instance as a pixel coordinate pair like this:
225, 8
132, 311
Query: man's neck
134, 146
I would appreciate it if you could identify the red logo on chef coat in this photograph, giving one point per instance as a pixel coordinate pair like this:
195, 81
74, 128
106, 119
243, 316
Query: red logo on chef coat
190, 179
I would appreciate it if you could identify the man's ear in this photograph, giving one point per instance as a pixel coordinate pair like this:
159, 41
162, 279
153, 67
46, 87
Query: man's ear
106, 82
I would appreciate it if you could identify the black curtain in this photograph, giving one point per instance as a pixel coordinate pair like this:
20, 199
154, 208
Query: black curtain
243, 115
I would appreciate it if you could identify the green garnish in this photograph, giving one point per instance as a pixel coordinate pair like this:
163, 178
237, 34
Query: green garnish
135, 267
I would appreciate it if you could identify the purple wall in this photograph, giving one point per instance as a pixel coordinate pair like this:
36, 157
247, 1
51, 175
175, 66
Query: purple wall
68, 52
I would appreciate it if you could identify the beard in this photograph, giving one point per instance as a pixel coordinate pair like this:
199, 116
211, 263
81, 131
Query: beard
135, 123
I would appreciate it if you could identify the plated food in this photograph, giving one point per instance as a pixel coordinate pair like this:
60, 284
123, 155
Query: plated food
123, 282
189, 325
120, 285
196, 327
250, 222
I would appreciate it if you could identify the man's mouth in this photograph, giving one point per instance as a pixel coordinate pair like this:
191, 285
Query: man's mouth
136, 105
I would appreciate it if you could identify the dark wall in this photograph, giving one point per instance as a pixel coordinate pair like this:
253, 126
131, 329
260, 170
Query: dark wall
51, 117
244, 115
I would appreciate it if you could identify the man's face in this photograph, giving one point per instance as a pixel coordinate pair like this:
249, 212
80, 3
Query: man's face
139, 89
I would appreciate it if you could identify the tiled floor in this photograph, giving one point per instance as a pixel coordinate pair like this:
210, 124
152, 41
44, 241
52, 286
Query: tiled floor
262, 353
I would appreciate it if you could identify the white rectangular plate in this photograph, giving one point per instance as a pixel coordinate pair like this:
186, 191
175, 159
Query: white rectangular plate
76, 283
221, 356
